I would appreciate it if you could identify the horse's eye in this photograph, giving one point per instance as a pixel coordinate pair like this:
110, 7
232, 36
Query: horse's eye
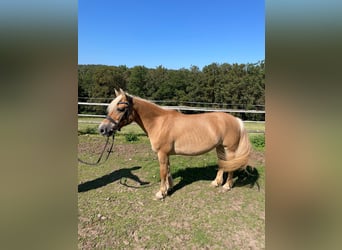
120, 109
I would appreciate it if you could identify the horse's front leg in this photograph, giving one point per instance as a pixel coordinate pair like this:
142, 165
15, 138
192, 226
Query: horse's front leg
165, 175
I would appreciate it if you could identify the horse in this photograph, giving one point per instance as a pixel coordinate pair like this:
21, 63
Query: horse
173, 133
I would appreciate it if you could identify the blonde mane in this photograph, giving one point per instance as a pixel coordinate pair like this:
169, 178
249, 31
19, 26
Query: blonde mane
148, 102
113, 104
115, 101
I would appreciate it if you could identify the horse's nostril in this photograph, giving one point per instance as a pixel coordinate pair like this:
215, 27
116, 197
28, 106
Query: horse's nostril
102, 131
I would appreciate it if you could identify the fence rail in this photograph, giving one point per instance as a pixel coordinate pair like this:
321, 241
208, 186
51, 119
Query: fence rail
204, 109
254, 131
188, 108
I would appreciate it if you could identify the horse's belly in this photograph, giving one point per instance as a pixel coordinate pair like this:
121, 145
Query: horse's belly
193, 148
192, 152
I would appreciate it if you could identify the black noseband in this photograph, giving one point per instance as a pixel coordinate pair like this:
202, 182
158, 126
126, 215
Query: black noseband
111, 120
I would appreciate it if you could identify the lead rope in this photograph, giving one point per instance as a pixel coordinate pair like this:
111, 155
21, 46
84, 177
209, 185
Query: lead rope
104, 148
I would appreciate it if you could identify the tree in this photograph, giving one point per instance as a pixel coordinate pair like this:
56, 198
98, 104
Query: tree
229, 85
137, 82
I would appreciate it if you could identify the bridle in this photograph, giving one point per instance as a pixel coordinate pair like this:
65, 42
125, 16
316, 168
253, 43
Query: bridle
116, 125
125, 114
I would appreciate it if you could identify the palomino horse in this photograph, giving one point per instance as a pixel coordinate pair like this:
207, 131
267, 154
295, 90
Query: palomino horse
174, 133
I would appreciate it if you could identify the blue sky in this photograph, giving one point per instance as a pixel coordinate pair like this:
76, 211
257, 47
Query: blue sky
172, 33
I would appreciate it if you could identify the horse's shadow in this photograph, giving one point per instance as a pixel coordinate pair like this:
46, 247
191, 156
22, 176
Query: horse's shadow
247, 177
110, 178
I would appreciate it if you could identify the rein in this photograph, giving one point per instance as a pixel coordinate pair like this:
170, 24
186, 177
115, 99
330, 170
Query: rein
113, 137
100, 157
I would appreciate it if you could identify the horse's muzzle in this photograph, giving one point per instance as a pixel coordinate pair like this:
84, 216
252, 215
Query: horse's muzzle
106, 129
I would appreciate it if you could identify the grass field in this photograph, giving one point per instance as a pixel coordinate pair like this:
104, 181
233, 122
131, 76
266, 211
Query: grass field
117, 209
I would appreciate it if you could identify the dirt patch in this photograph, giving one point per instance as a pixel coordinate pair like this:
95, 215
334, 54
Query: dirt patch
257, 158
91, 144
130, 150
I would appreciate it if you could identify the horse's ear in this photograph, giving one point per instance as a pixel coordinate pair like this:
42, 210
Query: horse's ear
116, 92
121, 91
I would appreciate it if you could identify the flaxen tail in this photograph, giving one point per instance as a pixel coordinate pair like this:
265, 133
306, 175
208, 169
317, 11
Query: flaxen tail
242, 153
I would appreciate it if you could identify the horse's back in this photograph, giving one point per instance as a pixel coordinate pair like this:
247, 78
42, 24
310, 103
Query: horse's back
217, 122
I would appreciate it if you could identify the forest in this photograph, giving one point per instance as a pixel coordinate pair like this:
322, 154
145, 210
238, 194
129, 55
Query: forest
232, 86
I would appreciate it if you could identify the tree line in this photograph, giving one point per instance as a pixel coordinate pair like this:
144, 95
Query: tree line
237, 86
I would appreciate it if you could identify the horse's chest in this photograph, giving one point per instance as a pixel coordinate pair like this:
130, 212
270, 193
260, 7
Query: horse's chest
163, 145
154, 148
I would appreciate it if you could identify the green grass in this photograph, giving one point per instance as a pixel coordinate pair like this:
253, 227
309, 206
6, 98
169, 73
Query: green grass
117, 209
259, 126
131, 137
258, 141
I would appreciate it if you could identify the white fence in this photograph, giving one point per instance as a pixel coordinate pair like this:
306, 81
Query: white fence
179, 108
204, 109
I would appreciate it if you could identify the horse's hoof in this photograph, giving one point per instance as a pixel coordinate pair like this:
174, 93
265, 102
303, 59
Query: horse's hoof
160, 196
226, 188
214, 183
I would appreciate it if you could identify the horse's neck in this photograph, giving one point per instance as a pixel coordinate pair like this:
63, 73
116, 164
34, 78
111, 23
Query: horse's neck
146, 114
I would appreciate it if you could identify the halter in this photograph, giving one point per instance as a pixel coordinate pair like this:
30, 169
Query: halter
116, 124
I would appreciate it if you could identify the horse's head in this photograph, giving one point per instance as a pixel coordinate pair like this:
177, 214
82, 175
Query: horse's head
119, 114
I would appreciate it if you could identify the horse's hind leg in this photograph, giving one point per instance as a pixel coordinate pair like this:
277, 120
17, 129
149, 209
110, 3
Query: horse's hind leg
218, 180
229, 183
221, 155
